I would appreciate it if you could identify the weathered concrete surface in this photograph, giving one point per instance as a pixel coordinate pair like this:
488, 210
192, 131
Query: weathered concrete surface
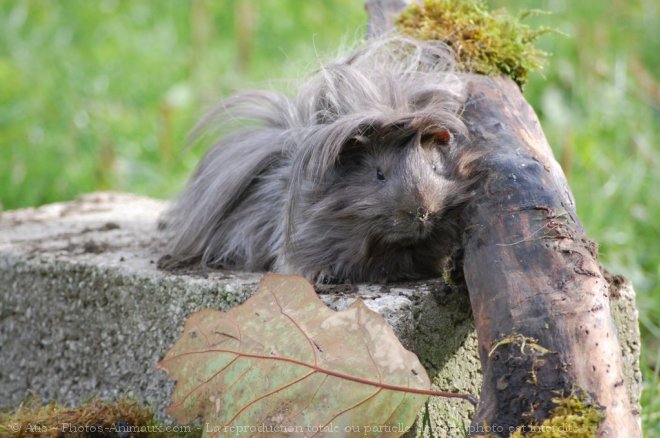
84, 311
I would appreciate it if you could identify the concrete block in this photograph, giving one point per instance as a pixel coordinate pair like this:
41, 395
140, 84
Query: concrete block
84, 311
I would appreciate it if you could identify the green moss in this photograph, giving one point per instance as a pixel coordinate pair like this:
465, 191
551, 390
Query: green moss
484, 42
573, 417
93, 418
523, 341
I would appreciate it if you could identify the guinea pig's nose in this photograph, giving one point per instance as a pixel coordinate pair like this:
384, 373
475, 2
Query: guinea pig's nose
422, 214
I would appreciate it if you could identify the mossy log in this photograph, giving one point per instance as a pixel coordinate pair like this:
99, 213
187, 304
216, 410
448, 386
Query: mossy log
539, 298
540, 301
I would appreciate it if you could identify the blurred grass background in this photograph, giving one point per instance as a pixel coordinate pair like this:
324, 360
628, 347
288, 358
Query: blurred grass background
101, 94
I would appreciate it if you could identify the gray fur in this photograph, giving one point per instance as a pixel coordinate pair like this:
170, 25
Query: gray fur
296, 187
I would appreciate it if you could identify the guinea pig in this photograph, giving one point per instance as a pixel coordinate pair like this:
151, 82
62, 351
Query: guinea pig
353, 179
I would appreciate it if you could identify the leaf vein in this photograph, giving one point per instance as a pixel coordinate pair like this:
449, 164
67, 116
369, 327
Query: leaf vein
309, 341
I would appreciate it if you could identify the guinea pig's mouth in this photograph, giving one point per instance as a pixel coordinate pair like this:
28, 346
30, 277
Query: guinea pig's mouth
410, 229
422, 228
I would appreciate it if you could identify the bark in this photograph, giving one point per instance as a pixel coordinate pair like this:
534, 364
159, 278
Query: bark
540, 301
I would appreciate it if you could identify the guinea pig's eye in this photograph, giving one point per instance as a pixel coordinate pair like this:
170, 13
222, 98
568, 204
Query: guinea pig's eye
380, 175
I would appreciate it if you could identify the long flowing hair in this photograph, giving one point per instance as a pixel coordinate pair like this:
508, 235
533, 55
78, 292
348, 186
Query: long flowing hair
244, 203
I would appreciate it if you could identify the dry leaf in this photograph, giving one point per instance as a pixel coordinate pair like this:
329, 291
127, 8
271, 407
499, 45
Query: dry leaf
284, 363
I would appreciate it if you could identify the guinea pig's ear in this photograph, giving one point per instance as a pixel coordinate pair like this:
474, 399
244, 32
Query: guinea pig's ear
358, 140
438, 137
353, 148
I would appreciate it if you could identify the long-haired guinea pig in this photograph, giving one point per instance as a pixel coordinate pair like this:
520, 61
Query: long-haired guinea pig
351, 180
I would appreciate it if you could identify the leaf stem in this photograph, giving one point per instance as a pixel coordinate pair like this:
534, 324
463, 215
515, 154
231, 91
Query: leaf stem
469, 397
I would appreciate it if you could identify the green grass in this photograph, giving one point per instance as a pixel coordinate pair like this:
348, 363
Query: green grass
101, 94
485, 42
